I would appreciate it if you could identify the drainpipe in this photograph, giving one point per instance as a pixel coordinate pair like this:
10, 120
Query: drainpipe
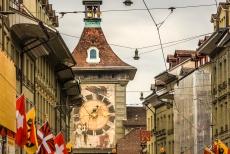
35, 83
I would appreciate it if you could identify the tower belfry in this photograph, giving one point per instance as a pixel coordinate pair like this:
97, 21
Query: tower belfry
98, 123
92, 12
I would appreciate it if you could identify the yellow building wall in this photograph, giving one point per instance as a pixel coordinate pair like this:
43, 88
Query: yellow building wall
31, 5
150, 127
222, 19
7, 93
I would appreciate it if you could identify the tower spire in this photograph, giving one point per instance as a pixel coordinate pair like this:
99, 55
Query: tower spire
92, 13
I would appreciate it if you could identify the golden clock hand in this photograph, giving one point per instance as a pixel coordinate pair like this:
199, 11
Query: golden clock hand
86, 110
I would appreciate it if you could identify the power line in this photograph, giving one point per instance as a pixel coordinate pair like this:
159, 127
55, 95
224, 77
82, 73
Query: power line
196, 36
70, 35
158, 32
122, 46
160, 8
162, 51
62, 13
216, 3
149, 46
179, 42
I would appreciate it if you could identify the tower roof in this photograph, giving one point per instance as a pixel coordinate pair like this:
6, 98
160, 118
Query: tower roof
94, 37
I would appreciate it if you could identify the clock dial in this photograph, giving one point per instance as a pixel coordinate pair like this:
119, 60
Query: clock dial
97, 113
94, 121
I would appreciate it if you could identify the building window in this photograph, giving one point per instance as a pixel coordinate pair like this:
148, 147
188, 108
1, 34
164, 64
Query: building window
93, 55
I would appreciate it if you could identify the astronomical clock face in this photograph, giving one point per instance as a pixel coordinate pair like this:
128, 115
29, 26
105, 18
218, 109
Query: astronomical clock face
95, 120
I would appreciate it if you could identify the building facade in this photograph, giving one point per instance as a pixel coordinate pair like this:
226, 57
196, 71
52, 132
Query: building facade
97, 125
190, 99
163, 105
150, 121
192, 111
30, 41
217, 48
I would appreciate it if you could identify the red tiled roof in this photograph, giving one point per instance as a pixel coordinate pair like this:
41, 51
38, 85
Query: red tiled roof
184, 53
170, 58
203, 40
94, 37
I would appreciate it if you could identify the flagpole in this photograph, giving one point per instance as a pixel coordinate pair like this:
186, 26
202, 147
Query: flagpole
22, 61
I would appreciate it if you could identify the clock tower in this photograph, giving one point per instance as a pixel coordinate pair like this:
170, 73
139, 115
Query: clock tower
98, 123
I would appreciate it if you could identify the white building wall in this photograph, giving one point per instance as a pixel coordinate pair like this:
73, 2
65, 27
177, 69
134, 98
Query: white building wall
192, 112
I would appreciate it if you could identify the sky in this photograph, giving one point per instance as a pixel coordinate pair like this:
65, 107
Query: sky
135, 29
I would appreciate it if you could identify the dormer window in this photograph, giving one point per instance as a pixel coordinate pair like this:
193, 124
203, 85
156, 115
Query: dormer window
93, 55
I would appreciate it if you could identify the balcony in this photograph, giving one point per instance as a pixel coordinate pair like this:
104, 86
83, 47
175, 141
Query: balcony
19, 75
220, 87
224, 85
160, 133
214, 91
26, 16
44, 3
170, 131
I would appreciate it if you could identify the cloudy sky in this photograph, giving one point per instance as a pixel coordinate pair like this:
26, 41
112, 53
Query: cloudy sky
135, 29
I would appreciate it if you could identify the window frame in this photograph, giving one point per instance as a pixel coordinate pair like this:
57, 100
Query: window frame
92, 60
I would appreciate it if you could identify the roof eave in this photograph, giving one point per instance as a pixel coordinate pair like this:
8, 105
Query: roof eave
130, 69
211, 44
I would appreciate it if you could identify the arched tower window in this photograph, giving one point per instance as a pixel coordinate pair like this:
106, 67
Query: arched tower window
93, 55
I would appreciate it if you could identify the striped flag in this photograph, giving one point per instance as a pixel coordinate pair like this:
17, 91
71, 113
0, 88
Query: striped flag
45, 140
207, 151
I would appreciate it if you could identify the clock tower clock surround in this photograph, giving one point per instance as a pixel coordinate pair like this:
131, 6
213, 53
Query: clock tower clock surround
98, 123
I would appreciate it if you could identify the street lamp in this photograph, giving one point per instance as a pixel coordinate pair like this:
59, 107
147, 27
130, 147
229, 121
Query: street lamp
162, 150
142, 96
157, 25
136, 56
128, 2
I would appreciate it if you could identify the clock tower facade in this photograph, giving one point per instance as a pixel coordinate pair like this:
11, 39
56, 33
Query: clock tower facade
98, 123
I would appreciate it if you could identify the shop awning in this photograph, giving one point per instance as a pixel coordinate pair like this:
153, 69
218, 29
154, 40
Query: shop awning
39, 40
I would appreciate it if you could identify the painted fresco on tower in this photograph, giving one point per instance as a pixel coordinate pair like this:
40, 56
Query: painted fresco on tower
94, 121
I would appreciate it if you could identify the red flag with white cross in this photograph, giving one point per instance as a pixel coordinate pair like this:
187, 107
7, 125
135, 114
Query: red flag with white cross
45, 140
21, 133
60, 144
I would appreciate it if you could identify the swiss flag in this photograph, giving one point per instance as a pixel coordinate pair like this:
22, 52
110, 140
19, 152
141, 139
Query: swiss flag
45, 140
21, 134
207, 151
60, 144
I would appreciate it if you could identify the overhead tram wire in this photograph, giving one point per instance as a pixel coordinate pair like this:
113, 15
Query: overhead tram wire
145, 47
216, 4
158, 32
74, 36
161, 8
196, 36
163, 55
176, 43
171, 43
62, 13
122, 46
